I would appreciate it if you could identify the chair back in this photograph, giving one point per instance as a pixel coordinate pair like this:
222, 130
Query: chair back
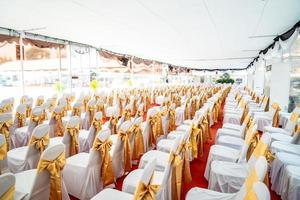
33, 152
74, 123
148, 172
41, 185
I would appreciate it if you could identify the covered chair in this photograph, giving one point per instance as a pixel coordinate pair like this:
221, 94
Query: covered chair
142, 192
19, 120
27, 157
288, 145
44, 182
229, 177
91, 171
89, 115
70, 137
23, 134
56, 123
235, 130
225, 153
270, 118
121, 144
86, 137
160, 178
233, 140
281, 161
291, 183
7, 189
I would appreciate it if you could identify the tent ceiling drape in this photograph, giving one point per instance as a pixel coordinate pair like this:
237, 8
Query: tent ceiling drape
193, 33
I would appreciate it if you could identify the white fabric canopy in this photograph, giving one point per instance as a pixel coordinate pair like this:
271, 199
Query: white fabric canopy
192, 33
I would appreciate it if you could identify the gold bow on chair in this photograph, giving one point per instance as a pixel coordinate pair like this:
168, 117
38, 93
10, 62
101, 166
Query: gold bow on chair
54, 167
59, 125
91, 110
152, 130
194, 139
4, 129
113, 124
28, 111
184, 150
276, 115
126, 150
76, 111
176, 180
193, 107
68, 106
9, 194
107, 173
172, 125
40, 143
145, 192
140, 113
74, 146
39, 102
159, 127
21, 119
97, 125
38, 119
138, 144
127, 114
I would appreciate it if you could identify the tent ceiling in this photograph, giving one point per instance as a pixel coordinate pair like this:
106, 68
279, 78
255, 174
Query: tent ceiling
192, 33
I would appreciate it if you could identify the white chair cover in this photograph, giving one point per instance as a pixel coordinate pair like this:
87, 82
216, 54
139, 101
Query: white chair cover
229, 177
86, 137
36, 186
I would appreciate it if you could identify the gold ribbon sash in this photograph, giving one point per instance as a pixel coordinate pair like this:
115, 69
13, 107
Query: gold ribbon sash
172, 125
28, 111
76, 111
59, 126
74, 146
138, 146
126, 150
91, 110
113, 124
40, 143
152, 130
145, 192
127, 114
249, 182
176, 180
54, 167
39, 102
3, 151
9, 194
97, 125
107, 173
194, 139
38, 118
183, 149
21, 119
4, 129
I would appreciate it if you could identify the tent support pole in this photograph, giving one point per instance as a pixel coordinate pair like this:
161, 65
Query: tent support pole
22, 62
